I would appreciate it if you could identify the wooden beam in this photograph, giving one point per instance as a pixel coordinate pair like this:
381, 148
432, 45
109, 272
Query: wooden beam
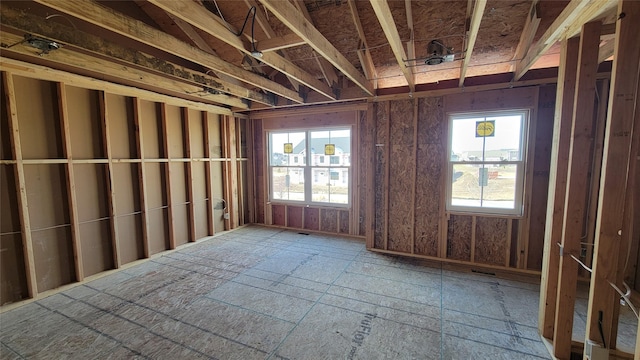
106, 18
164, 152
383, 12
66, 57
623, 124
411, 46
129, 57
208, 172
292, 18
109, 180
364, 55
528, 32
472, 35
567, 24
279, 43
606, 51
263, 22
327, 69
577, 186
191, 209
142, 177
46, 73
37, 25
21, 187
195, 15
70, 183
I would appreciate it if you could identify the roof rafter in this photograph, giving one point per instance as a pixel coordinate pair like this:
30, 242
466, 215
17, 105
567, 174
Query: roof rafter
472, 35
279, 43
363, 49
266, 28
528, 32
411, 46
291, 17
566, 25
383, 13
106, 18
327, 69
193, 13
182, 31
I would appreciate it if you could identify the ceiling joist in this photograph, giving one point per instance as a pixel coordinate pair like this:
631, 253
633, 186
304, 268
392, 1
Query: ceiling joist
29, 23
411, 46
291, 17
472, 35
195, 15
66, 57
106, 18
383, 12
566, 25
279, 43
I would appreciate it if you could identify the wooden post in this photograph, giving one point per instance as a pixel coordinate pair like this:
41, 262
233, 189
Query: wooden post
523, 240
167, 173
557, 185
188, 174
70, 181
23, 207
144, 207
208, 175
109, 181
611, 243
414, 173
370, 175
233, 172
577, 186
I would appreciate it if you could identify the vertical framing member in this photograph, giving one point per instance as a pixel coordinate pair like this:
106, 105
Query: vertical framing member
70, 181
109, 180
142, 177
23, 208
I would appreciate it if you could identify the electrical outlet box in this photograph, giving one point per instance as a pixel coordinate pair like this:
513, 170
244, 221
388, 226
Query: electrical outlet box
227, 216
594, 351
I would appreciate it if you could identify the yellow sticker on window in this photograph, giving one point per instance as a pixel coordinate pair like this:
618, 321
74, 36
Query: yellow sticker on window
485, 128
329, 149
288, 148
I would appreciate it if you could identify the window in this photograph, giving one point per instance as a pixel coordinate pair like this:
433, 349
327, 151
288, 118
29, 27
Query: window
292, 179
486, 164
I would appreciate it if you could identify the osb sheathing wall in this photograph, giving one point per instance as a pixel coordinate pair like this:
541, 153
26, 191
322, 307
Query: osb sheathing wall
339, 219
98, 180
410, 174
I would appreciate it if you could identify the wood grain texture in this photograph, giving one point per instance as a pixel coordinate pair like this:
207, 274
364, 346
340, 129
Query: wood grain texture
311, 218
294, 216
401, 163
380, 178
491, 240
429, 173
329, 220
459, 238
278, 215
344, 222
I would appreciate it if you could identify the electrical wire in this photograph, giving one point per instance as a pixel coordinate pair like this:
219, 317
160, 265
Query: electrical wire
244, 24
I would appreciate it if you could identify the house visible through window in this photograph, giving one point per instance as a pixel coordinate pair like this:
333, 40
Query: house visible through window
291, 179
486, 164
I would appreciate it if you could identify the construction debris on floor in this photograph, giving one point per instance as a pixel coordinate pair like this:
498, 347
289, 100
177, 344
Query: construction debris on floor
265, 293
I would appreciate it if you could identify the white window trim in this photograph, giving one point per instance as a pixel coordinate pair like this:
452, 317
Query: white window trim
518, 210
308, 169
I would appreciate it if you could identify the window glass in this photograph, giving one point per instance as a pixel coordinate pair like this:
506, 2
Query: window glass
324, 180
486, 167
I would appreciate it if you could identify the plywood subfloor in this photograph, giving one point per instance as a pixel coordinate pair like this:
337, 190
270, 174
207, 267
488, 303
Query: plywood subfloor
264, 293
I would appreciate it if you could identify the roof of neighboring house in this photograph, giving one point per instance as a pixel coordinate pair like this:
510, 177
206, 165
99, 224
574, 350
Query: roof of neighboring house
317, 144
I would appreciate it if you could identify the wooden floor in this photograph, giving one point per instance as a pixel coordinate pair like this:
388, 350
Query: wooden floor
264, 293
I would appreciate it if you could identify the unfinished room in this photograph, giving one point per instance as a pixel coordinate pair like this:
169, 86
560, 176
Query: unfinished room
320, 179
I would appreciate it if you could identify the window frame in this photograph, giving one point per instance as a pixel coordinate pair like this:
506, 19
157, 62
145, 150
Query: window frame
307, 165
521, 164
